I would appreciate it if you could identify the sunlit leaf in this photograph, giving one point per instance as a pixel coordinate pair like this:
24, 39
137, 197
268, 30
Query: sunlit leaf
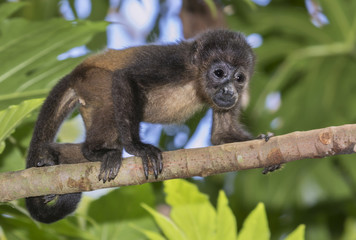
191, 210
255, 226
297, 234
226, 222
169, 228
150, 234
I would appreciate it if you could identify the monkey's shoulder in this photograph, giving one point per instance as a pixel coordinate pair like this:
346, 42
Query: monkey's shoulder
146, 56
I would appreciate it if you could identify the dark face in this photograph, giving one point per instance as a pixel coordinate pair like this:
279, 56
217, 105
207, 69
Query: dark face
225, 83
226, 63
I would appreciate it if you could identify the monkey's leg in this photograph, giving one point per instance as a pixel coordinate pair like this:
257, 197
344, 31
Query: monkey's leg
129, 103
102, 144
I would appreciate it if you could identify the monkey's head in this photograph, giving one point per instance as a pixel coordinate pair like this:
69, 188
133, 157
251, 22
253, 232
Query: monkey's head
225, 62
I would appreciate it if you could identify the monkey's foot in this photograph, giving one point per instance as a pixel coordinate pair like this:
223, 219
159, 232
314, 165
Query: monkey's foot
110, 165
266, 137
110, 159
155, 157
271, 168
147, 153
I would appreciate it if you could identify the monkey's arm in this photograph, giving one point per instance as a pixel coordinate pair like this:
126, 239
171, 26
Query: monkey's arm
227, 128
129, 100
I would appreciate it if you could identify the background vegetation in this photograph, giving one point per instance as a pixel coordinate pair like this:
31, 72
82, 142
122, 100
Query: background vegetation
308, 70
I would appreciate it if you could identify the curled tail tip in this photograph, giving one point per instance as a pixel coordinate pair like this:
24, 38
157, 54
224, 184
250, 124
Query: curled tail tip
45, 213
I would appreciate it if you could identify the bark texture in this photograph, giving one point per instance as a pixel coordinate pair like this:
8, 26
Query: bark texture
69, 178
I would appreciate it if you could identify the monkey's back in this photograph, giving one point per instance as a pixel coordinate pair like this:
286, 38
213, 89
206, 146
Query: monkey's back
161, 71
111, 59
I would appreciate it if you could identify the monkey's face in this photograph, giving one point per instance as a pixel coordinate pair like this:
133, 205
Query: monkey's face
226, 62
225, 84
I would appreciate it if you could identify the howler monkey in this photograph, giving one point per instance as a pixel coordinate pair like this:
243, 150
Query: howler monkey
118, 89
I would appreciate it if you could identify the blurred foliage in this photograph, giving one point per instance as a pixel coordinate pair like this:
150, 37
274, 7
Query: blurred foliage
313, 68
101, 218
29, 68
10, 118
36, 45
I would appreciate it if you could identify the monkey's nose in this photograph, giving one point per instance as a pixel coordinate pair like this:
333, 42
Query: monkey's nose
227, 91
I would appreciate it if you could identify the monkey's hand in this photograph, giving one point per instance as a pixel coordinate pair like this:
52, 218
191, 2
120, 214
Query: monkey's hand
274, 167
147, 153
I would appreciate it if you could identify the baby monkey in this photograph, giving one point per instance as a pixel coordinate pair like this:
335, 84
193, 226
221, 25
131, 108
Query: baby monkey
116, 90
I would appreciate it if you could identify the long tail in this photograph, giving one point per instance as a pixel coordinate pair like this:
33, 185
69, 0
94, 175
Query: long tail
58, 105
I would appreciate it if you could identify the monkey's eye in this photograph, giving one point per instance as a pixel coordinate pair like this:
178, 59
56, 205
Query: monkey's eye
240, 78
219, 73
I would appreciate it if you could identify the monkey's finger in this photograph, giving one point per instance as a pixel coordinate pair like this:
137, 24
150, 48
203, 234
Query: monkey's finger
154, 159
103, 171
102, 176
145, 165
114, 170
160, 162
111, 174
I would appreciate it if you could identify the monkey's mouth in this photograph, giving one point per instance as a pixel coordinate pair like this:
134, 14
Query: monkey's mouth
225, 101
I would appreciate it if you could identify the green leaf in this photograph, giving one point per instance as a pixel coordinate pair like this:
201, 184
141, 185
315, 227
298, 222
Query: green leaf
169, 228
12, 159
225, 220
297, 234
29, 51
191, 210
180, 192
13, 209
349, 229
122, 204
11, 117
9, 8
2, 146
122, 229
2, 234
255, 225
149, 234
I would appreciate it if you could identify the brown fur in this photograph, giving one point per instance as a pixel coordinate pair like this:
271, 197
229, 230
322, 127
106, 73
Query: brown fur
111, 59
118, 89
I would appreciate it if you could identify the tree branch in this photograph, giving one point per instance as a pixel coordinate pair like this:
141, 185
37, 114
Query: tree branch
69, 178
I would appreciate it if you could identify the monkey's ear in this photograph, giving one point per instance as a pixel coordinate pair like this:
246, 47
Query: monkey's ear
194, 53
